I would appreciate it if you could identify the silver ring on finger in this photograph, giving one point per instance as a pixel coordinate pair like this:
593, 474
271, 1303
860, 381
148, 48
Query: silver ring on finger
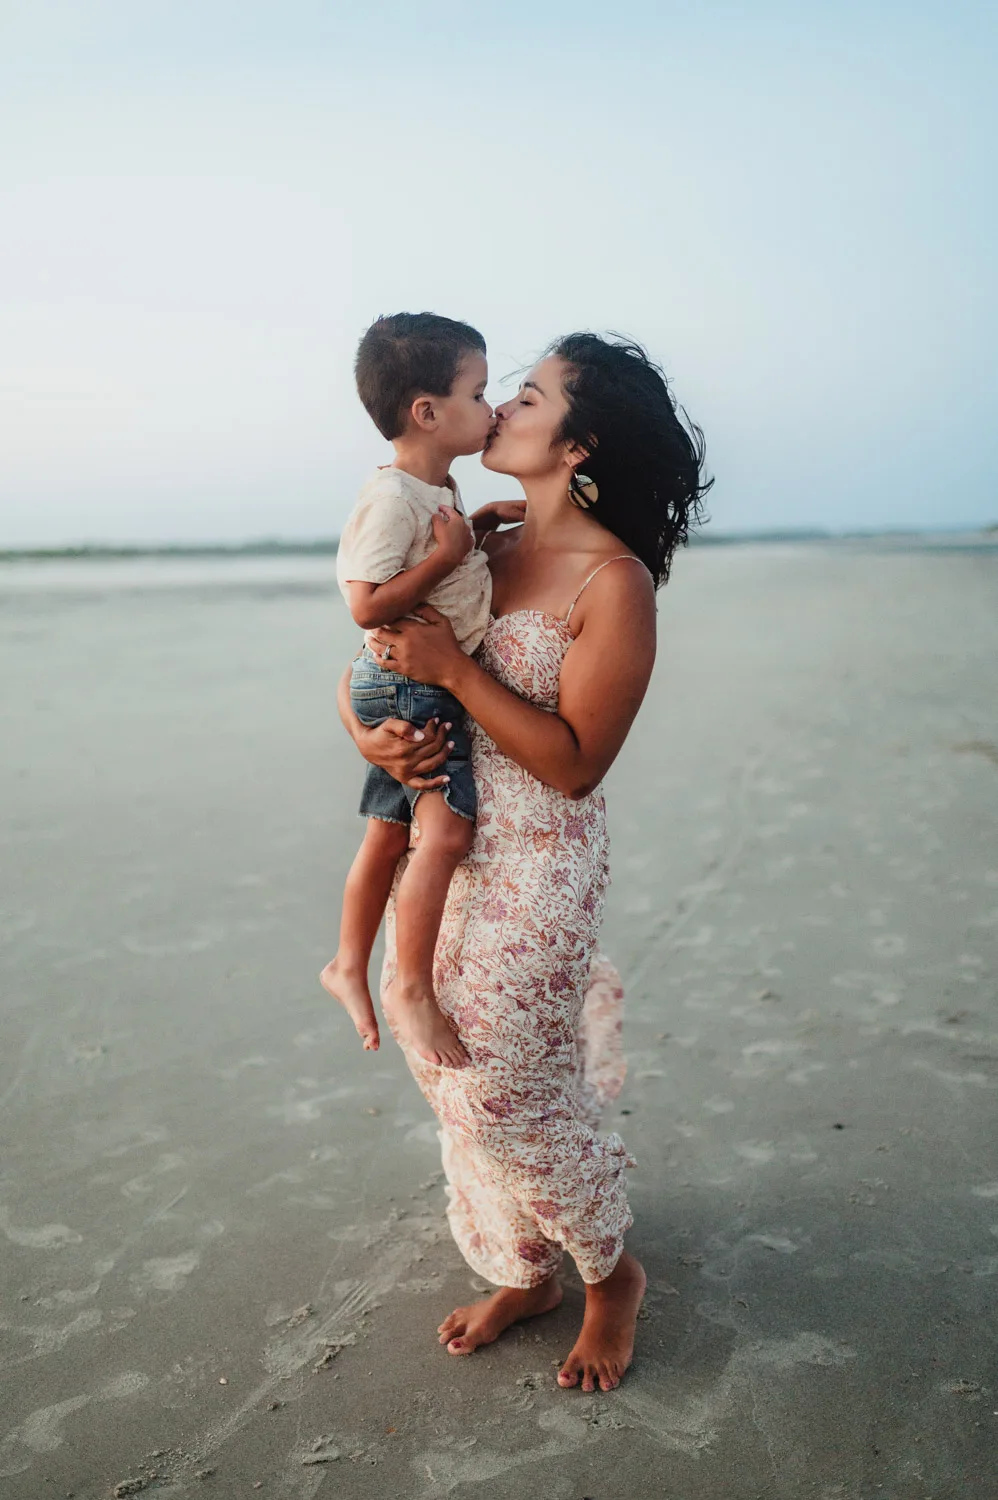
386, 655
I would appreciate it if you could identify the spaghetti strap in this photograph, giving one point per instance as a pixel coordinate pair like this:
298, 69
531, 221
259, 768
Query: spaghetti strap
620, 557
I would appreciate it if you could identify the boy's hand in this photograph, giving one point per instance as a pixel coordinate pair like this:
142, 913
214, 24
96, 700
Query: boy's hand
453, 538
499, 513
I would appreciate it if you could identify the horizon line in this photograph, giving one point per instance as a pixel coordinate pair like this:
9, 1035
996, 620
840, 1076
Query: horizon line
327, 546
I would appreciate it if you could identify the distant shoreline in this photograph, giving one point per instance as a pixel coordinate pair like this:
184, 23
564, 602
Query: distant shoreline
326, 546
108, 552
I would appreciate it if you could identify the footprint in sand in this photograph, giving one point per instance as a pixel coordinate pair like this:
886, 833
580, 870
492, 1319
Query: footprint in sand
45, 1237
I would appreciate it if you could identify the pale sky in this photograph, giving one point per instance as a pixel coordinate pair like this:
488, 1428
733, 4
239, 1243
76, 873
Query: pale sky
205, 203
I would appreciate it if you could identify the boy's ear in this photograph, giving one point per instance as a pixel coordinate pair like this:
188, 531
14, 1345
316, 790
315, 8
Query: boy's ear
423, 413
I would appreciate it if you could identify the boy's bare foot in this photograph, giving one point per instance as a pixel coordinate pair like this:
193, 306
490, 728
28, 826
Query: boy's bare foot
605, 1347
424, 1026
350, 988
484, 1321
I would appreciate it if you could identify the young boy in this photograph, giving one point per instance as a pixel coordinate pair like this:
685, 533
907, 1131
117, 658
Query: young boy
422, 379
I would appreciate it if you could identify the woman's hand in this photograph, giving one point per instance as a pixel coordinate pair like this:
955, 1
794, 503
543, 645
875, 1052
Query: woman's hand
426, 653
409, 754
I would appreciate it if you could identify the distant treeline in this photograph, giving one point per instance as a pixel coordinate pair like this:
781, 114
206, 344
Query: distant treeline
326, 546
267, 548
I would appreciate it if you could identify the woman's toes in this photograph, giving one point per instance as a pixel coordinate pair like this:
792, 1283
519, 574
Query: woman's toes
589, 1379
607, 1377
568, 1375
458, 1346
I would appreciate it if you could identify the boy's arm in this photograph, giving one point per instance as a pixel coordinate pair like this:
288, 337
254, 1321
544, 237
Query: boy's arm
373, 604
495, 514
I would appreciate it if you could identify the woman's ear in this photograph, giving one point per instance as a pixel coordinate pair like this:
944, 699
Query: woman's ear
576, 455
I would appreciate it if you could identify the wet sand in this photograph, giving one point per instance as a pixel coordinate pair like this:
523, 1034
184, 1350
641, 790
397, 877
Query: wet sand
222, 1250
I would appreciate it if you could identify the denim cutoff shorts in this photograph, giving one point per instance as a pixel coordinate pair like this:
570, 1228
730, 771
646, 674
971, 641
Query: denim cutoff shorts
376, 695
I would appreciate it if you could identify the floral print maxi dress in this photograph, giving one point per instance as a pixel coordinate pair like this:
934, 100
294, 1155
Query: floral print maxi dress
537, 1008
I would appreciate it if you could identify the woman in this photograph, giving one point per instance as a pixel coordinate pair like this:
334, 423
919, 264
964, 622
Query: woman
612, 481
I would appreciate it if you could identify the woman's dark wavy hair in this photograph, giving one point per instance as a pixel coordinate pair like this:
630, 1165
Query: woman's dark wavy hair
647, 465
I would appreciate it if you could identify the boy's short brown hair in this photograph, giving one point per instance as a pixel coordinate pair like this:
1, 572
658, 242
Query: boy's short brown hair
407, 355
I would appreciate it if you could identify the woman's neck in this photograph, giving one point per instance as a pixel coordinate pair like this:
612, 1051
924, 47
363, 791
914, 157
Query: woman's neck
551, 520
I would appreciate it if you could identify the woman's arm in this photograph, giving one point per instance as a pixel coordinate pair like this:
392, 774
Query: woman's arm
409, 754
603, 681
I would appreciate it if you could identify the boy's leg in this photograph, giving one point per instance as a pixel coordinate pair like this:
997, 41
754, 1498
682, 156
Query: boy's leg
444, 839
364, 899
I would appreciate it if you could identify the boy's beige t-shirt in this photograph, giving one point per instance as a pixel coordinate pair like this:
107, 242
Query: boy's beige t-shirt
390, 530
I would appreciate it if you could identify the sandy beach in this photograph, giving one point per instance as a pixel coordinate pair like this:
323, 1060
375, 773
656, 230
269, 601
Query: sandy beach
223, 1255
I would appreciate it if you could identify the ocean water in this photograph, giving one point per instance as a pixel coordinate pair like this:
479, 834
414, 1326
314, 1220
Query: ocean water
110, 574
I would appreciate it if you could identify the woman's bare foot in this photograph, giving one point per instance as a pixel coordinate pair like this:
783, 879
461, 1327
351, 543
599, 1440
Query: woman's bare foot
350, 988
605, 1347
424, 1026
484, 1321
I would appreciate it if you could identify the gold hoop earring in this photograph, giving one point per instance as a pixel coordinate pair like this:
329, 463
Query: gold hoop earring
582, 491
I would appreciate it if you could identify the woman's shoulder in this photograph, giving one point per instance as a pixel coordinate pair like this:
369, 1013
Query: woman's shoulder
617, 568
616, 586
